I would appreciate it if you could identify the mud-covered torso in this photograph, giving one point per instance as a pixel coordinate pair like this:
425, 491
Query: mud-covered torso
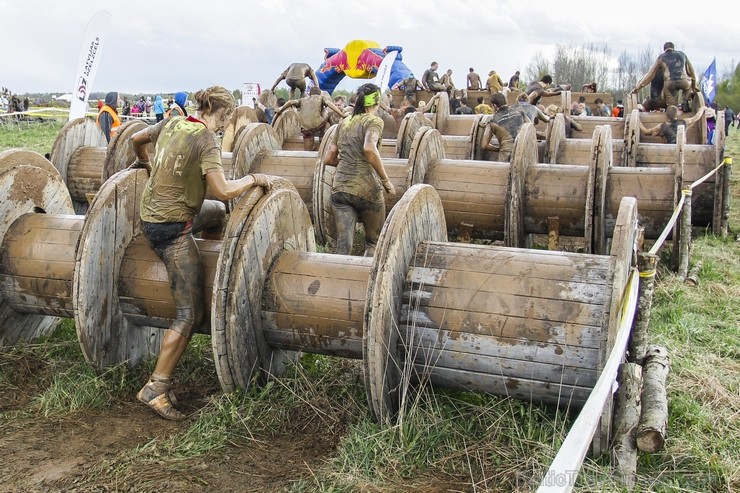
669, 130
675, 63
312, 111
185, 151
508, 120
354, 174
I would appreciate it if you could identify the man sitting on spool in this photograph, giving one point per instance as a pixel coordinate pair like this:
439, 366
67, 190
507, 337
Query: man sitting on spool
314, 114
504, 125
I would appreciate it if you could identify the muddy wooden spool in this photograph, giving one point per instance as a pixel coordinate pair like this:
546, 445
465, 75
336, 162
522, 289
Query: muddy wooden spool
259, 150
56, 264
413, 313
503, 201
576, 149
696, 160
530, 324
85, 159
29, 184
287, 126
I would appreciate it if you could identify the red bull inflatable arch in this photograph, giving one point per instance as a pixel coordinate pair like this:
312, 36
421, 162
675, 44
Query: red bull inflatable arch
359, 59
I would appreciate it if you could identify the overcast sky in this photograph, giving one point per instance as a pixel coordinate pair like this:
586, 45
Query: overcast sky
164, 46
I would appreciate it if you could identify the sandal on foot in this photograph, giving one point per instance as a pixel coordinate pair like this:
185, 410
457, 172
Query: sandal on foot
162, 405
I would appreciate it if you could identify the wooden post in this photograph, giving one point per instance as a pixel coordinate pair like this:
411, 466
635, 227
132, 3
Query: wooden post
626, 419
646, 264
654, 417
553, 233
685, 236
693, 278
726, 185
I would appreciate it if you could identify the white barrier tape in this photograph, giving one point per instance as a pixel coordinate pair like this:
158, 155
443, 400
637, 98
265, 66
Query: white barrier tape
561, 476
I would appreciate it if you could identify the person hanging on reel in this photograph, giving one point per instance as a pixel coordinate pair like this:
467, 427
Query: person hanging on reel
360, 176
187, 161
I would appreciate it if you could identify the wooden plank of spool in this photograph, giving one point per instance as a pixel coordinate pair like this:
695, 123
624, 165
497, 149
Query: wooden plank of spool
601, 155
28, 183
242, 116
426, 148
287, 125
555, 137
253, 139
107, 337
525, 153
417, 217
408, 128
268, 228
120, 153
323, 181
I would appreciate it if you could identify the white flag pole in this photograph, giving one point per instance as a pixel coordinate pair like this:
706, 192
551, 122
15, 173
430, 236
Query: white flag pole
87, 65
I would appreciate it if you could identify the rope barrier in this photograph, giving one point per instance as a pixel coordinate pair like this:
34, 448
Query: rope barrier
677, 211
561, 476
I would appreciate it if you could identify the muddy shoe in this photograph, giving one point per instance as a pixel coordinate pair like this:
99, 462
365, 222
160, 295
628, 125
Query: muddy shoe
160, 402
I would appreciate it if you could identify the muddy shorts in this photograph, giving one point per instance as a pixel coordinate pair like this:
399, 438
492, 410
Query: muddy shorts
175, 246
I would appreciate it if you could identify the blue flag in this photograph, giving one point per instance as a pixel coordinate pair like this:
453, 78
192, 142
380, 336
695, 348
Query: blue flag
709, 83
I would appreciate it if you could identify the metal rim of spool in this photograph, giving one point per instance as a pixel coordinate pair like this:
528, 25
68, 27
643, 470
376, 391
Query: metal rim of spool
323, 183
260, 228
601, 161
417, 217
120, 151
32, 185
73, 135
525, 153
427, 148
106, 337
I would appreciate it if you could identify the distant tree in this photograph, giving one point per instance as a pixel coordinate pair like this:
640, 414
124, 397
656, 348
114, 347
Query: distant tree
578, 65
728, 90
537, 67
574, 65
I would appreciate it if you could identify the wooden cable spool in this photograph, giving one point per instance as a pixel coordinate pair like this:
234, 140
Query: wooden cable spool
696, 160
525, 323
287, 126
530, 324
506, 201
85, 159
29, 184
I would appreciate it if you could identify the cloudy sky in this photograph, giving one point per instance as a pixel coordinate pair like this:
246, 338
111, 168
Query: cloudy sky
163, 46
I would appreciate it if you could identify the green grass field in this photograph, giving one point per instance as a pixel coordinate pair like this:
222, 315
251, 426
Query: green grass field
446, 441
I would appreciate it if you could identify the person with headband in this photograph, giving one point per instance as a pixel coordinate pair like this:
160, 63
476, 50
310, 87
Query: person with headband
360, 177
187, 161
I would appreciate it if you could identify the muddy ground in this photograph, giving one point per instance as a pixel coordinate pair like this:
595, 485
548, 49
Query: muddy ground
86, 451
